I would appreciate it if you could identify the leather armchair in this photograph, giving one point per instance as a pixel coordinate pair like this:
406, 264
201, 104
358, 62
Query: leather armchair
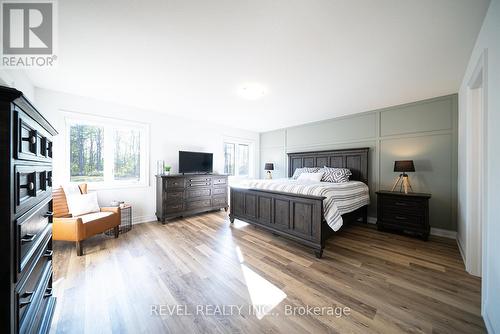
68, 228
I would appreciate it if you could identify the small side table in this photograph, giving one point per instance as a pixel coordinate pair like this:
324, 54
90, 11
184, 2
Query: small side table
403, 212
126, 219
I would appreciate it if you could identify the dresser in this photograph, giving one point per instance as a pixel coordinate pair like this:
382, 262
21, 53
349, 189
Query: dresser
26, 148
402, 212
181, 195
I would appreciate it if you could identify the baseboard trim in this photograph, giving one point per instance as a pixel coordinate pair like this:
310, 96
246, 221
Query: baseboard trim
443, 233
434, 231
143, 219
461, 250
487, 322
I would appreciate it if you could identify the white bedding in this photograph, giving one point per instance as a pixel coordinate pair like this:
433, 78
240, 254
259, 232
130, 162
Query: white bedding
341, 198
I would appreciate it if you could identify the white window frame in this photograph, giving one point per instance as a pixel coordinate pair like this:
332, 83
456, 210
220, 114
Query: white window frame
109, 123
251, 156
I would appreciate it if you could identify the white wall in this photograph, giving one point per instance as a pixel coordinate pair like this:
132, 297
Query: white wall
168, 135
489, 40
17, 79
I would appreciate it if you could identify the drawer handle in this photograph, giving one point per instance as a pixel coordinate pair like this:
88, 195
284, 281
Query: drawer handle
31, 139
28, 238
26, 295
48, 293
400, 204
48, 253
48, 214
29, 186
401, 218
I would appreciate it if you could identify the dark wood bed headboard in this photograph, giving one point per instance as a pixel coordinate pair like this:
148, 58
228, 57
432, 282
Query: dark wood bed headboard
356, 159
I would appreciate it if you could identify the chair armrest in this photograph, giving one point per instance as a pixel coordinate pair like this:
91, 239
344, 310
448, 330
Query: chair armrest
117, 213
114, 209
69, 229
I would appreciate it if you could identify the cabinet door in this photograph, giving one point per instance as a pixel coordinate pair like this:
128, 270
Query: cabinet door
32, 141
31, 185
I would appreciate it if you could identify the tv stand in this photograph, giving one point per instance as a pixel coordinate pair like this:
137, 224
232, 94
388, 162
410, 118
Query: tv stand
187, 194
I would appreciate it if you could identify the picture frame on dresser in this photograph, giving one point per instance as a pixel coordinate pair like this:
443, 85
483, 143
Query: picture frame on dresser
26, 299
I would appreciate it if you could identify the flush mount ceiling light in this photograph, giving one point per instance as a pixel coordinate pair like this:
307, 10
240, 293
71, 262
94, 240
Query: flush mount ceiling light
252, 91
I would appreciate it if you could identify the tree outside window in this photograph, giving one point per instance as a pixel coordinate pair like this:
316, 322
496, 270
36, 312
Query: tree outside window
106, 152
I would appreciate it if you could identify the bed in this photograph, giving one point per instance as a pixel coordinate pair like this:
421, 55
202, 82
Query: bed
307, 213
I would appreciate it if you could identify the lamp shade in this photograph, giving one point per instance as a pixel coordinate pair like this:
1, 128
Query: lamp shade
269, 166
404, 166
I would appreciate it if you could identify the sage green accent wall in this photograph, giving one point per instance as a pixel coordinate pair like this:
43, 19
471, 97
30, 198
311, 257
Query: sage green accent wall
424, 131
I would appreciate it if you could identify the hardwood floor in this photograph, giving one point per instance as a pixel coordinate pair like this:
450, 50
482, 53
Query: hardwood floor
389, 283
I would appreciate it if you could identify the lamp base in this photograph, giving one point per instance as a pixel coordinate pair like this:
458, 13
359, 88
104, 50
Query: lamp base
269, 175
404, 183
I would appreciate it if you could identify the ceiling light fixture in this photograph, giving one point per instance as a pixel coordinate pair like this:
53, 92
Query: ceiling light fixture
252, 91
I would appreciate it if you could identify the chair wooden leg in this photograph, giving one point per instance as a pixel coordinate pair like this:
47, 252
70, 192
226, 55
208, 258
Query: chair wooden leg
79, 248
116, 231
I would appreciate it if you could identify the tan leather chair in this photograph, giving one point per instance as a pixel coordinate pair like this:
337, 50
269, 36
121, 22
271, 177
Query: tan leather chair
68, 228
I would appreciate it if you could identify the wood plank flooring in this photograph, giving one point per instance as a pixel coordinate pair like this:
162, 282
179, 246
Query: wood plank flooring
376, 282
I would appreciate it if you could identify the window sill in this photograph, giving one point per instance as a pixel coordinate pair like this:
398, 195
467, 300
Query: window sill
114, 186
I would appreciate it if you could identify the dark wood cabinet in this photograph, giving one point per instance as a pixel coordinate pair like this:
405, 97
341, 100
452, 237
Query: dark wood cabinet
181, 195
26, 297
404, 212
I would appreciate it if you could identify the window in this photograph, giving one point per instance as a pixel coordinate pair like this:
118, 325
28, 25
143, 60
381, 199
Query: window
86, 157
243, 160
106, 152
229, 158
237, 159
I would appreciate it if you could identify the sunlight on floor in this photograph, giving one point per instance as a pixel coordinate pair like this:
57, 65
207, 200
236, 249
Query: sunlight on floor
264, 295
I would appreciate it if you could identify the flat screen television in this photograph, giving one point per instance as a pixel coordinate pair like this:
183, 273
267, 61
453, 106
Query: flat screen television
195, 162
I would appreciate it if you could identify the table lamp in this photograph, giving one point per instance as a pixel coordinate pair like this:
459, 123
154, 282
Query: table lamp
268, 167
403, 166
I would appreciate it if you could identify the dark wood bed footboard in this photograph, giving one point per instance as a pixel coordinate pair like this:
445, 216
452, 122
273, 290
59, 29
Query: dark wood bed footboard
297, 217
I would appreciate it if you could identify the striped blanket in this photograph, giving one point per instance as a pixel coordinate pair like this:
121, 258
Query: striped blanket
341, 198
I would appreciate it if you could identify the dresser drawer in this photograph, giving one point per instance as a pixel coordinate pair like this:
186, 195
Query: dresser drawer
32, 141
220, 191
197, 184
198, 204
32, 229
31, 185
219, 181
402, 204
172, 208
175, 183
175, 197
402, 219
43, 316
29, 292
197, 193
199, 179
219, 200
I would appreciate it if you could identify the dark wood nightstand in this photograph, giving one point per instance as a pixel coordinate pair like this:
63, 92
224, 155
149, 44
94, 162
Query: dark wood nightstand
403, 212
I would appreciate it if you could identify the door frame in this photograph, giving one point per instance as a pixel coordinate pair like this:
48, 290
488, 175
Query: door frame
476, 157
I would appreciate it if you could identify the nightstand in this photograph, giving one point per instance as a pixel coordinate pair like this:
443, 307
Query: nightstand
403, 212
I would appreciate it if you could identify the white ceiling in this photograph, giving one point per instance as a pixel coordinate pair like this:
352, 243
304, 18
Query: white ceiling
318, 59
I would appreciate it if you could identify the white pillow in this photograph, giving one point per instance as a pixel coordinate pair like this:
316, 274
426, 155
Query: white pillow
299, 171
315, 177
81, 204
